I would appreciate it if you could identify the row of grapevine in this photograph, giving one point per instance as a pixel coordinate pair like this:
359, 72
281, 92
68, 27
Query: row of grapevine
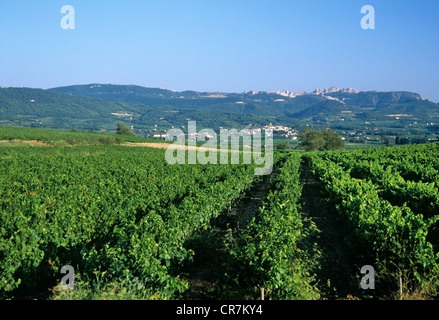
422, 197
393, 236
118, 215
404, 176
269, 253
414, 163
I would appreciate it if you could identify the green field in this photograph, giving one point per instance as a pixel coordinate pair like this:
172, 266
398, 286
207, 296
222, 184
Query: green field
57, 137
134, 227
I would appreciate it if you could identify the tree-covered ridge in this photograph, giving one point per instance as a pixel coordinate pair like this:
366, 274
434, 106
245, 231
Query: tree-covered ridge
98, 107
47, 109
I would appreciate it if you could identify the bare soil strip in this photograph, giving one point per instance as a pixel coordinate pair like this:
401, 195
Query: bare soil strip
153, 145
161, 145
158, 145
33, 143
206, 274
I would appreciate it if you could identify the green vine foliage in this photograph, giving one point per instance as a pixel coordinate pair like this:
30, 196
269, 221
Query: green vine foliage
392, 219
120, 216
269, 251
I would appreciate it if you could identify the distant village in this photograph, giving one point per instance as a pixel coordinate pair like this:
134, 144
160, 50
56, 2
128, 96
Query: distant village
370, 135
278, 131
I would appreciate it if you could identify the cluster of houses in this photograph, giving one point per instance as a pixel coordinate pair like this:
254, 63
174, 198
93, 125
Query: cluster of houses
283, 131
159, 135
279, 131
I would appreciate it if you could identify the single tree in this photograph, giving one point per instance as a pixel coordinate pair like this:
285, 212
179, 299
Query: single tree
311, 139
122, 129
385, 140
332, 140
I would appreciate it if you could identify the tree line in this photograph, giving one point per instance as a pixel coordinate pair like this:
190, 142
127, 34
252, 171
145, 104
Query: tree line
313, 140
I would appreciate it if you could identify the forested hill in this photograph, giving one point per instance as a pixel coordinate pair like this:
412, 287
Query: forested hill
44, 108
101, 106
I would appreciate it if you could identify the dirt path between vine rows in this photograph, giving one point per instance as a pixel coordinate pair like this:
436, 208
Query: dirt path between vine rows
336, 276
205, 276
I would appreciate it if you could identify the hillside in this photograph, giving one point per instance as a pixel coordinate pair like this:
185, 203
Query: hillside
49, 109
101, 106
323, 107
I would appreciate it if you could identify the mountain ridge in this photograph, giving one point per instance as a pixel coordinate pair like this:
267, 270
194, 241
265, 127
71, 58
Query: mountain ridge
100, 106
287, 93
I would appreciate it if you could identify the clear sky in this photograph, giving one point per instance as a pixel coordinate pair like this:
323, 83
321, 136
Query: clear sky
222, 45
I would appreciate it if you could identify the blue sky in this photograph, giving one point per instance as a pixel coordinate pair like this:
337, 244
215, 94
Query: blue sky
222, 45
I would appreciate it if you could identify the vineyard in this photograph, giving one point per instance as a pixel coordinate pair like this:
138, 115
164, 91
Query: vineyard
388, 199
133, 226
